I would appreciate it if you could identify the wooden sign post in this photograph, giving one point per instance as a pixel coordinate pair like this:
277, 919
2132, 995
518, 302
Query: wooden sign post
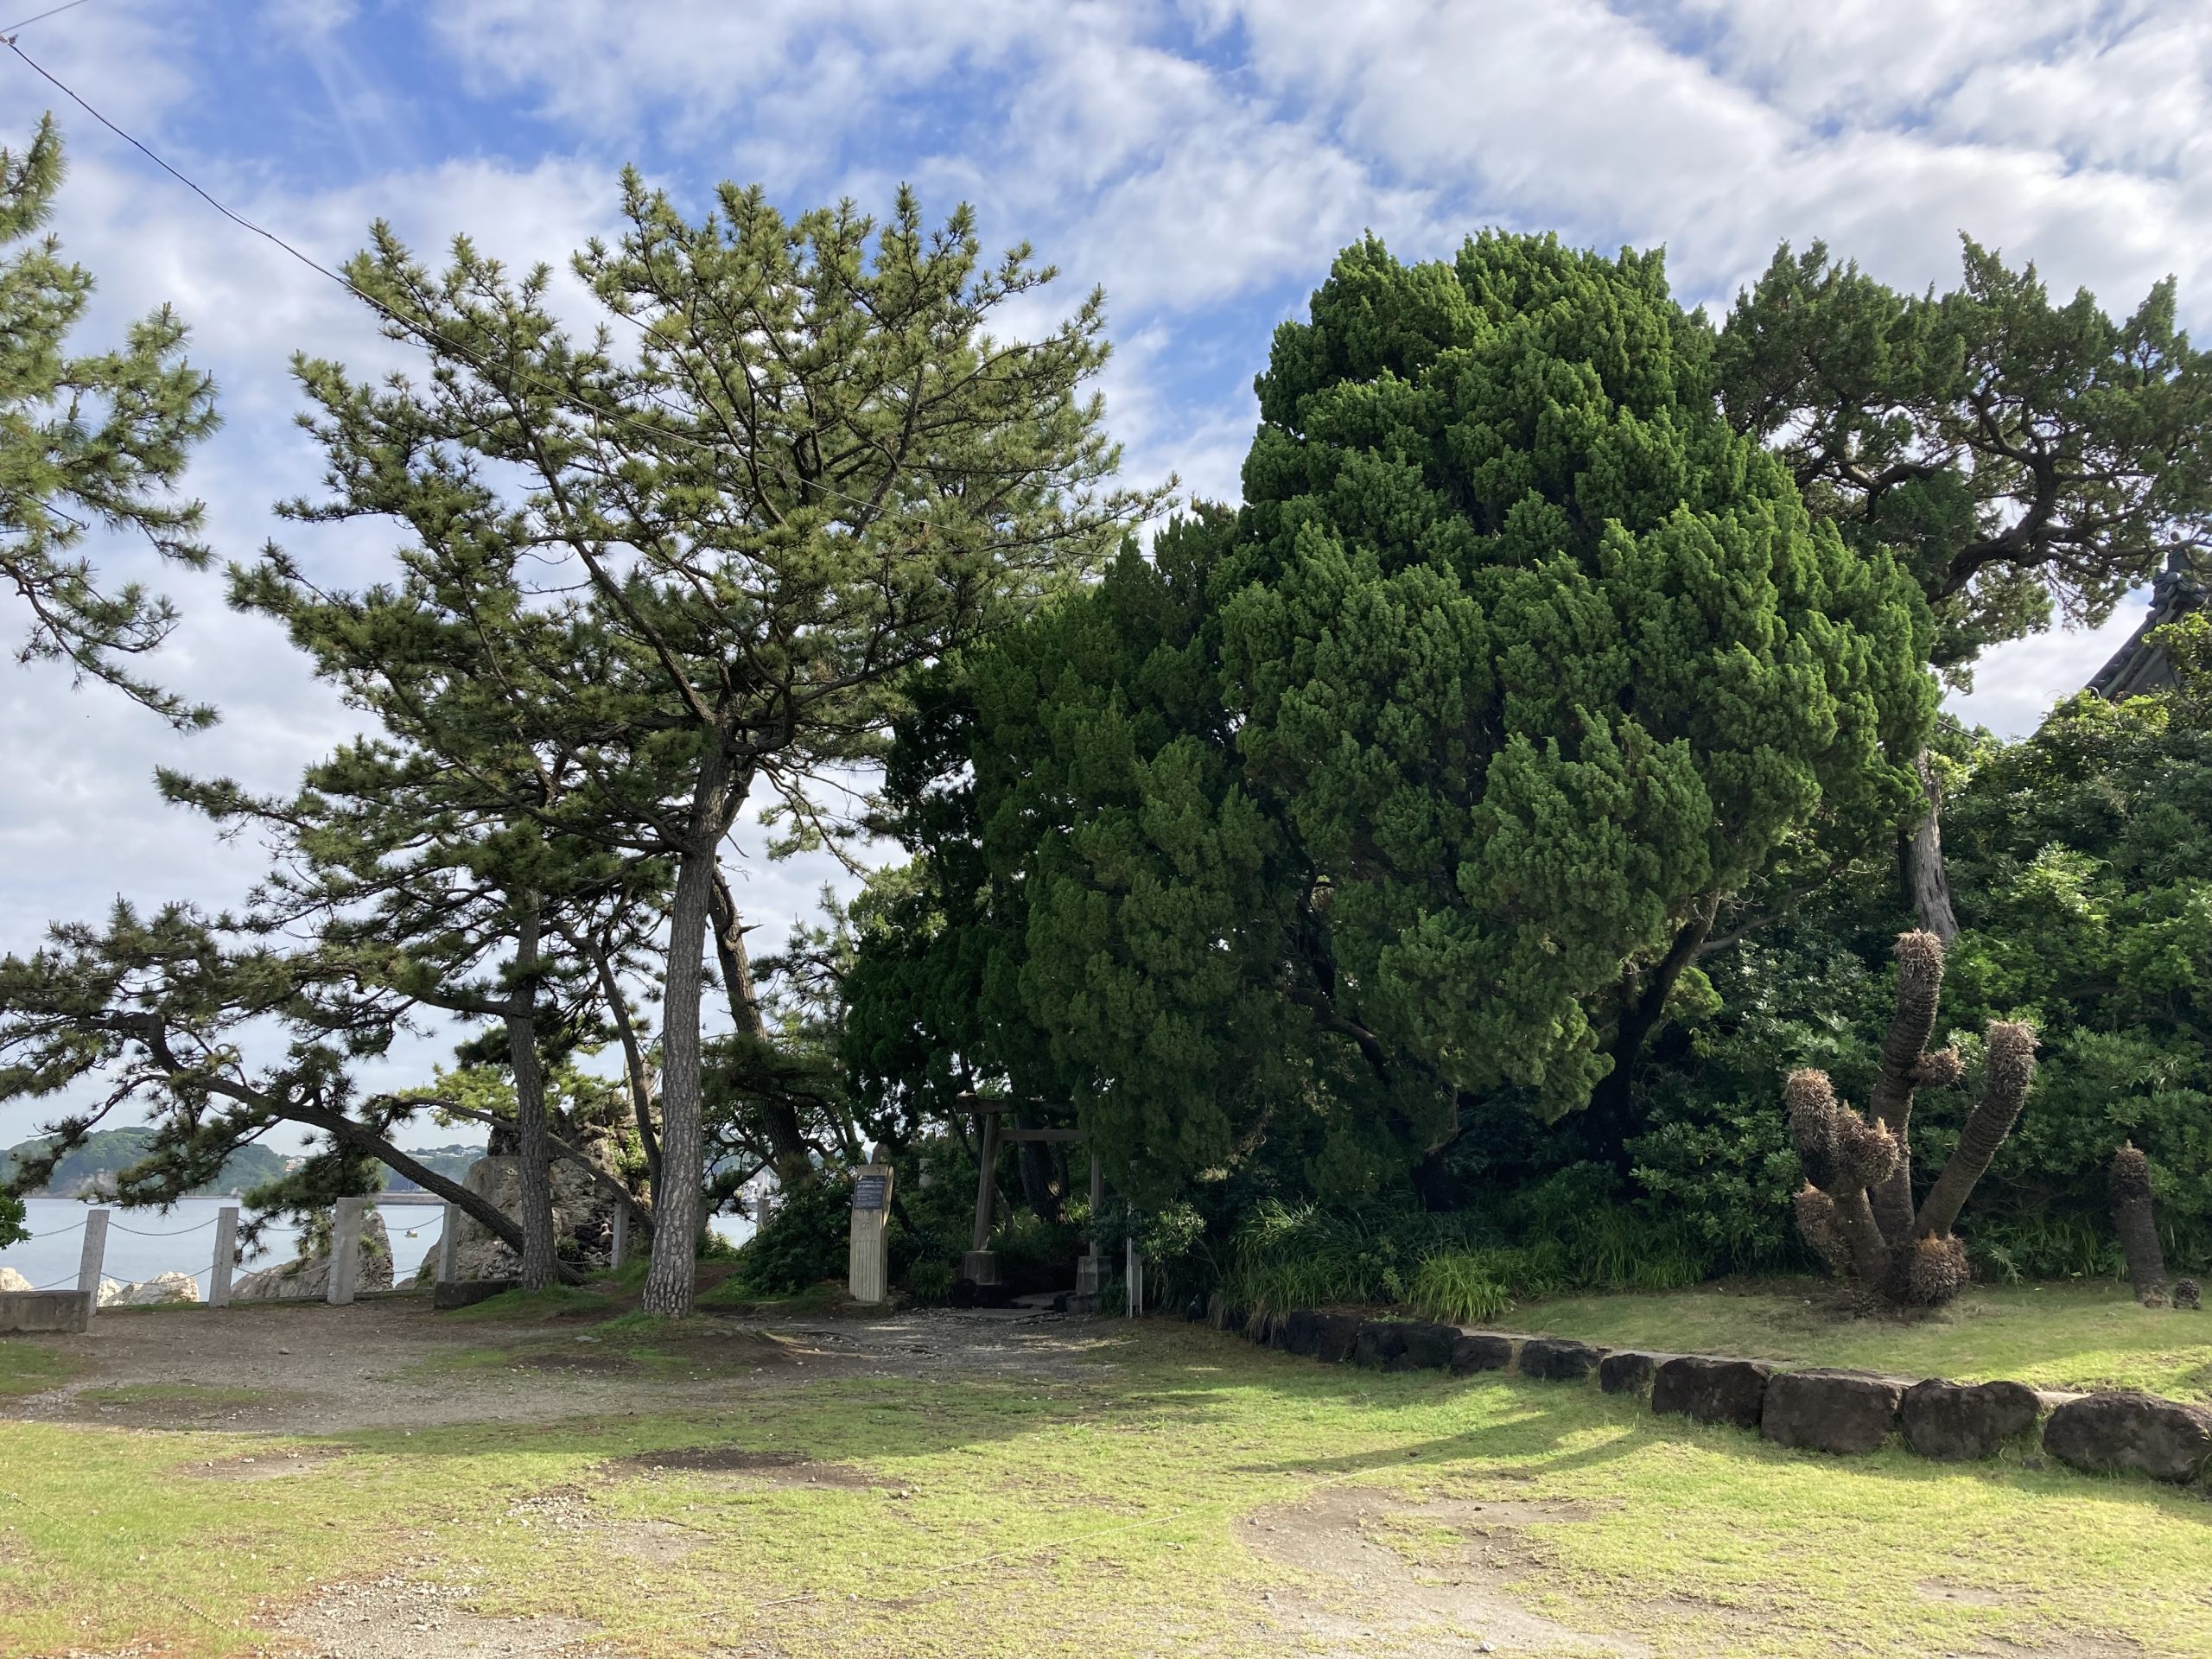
868, 1269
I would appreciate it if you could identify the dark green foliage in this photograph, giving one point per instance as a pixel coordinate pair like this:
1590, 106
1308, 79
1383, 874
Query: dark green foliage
2022, 459
1461, 1267
804, 1241
2082, 859
12, 1230
1347, 812
98, 439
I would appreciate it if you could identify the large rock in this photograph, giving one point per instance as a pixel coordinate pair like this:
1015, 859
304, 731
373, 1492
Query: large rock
1555, 1359
307, 1278
1842, 1412
1425, 1348
12, 1281
1379, 1341
1480, 1350
1301, 1332
1962, 1422
583, 1216
162, 1290
1730, 1392
2104, 1433
1629, 1372
1335, 1336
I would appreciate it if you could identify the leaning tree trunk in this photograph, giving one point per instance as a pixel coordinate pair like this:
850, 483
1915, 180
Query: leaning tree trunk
1853, 1164
787, 1146
533, 1152
671, 1277
2138, 1222
1927, 885
1643, 1003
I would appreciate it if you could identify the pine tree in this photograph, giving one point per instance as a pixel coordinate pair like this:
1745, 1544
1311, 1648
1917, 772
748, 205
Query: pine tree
94, 440
815, 471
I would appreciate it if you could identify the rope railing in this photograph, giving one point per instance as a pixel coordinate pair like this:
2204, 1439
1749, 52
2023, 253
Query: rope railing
181, 1232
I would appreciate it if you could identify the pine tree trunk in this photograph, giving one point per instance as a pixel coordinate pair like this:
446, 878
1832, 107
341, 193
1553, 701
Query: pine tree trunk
670, 1280
1642, 1005
534, 1156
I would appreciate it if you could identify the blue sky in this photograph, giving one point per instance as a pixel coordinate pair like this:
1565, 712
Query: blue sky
1199, 159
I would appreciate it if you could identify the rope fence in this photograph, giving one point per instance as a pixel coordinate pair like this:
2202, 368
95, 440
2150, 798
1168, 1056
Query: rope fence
140, 1232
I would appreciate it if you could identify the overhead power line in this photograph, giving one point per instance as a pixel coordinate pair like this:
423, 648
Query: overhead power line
8, 33
418, 327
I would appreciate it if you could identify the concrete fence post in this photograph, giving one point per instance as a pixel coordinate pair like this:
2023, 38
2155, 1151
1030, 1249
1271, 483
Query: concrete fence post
226, 1248
621, 1248
1133, 1276
88, 1264
447, 1243
344, 1251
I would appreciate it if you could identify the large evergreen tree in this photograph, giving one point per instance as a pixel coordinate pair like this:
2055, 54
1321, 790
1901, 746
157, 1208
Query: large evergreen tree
1358, 806
100, 439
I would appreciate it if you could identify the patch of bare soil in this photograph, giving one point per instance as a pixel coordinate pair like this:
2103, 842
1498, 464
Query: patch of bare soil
268, 1465
420, 1618
1369, 1589
774, 1468
309, 1368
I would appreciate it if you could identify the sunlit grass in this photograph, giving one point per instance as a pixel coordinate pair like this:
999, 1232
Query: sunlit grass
992, 1516
2068, 1336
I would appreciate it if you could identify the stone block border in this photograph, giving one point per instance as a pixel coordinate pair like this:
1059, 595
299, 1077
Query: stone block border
1815, 1408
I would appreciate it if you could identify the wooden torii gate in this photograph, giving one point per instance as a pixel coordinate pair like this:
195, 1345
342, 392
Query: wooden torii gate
979, 1265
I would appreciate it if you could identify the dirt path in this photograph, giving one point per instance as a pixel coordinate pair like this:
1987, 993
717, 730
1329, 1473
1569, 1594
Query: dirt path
305, 1367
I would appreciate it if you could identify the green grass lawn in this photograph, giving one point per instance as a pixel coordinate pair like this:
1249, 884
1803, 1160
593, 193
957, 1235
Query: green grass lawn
981, 1514
27, 1368
2069, 1335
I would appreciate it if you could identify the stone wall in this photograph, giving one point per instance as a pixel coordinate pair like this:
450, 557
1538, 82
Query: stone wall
1818, 1409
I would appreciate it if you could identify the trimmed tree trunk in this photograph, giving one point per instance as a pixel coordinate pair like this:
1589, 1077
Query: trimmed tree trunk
1920, 992
1855, 1166
2012, 1071
2138, 1222
533, 1153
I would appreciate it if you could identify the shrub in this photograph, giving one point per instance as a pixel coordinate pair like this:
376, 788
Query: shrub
803, 1242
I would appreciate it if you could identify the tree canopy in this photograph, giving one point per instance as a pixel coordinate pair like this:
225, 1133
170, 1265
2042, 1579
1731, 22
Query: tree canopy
100, 439
1354, 806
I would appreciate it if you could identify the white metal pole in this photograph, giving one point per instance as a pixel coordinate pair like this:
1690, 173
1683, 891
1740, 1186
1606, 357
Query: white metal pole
622, 1245
226, 1246
88, 1264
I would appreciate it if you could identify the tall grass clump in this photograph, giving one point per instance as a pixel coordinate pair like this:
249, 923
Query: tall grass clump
1460, 1267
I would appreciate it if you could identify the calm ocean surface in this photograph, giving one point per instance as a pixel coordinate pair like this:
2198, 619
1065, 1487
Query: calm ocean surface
142, 1242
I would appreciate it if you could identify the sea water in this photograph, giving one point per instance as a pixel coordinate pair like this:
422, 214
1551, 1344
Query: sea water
142, 1242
